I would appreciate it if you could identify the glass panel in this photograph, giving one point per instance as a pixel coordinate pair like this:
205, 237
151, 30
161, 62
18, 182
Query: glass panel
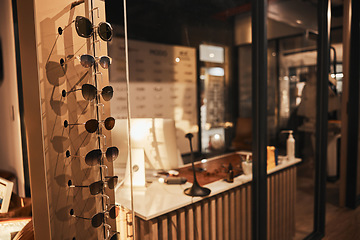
292, 59
212, 89
179, 58
191, 63
297, 113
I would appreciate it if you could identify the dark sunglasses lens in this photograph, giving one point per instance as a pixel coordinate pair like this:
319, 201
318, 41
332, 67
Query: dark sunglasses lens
105, 31
93, 157
96, 187
116, 236
83, 26
105, 62
107, 93
112, 181
112, 153
109, 123
87, 60
91, 125
97, 220
88, 91
114, 212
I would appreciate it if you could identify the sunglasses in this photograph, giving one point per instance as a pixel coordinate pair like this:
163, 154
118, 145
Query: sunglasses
115, 236
97, 187
93, 157
92, 125
85, 28
113, 211
99, 218
89, 92
87, 61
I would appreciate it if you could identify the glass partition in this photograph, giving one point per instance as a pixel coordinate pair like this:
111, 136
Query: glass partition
190, 73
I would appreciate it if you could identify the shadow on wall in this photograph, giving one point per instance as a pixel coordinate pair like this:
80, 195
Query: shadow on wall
1, 65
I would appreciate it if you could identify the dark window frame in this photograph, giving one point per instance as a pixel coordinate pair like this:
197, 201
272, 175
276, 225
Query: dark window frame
259, 102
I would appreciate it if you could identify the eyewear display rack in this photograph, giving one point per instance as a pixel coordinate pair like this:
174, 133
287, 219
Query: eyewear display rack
67, 118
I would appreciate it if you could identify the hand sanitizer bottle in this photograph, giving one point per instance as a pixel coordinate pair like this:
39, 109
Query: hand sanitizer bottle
290, 146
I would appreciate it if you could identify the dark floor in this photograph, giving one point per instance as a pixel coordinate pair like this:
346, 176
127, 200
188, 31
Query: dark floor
341, 223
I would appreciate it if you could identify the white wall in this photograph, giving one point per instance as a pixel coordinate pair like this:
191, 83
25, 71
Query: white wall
10, 135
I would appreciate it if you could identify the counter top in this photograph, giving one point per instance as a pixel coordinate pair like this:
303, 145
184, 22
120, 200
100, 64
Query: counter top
159, 198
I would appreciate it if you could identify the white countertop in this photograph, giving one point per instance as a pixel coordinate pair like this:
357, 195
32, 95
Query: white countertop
160, 198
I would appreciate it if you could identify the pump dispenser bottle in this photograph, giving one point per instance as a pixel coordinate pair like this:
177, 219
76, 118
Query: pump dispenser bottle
290, 146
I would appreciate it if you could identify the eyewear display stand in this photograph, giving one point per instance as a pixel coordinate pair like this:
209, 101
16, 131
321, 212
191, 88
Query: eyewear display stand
49, 66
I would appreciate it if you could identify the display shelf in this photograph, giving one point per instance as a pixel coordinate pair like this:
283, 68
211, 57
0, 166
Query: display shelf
159, 198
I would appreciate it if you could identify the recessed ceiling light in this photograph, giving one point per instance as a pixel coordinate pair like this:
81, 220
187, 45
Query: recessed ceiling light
299, 21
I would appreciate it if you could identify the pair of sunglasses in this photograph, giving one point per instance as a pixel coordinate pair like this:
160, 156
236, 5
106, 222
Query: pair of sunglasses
97, 187
111, 234
89, 92
92, 125
87, 61
93, 157
84, 28
99, 218
115, 236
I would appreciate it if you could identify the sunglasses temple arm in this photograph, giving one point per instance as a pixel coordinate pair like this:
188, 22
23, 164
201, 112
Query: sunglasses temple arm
76, 3
68, 25
73, 124
96, 8
74, 90
79, 186
102, 135
98, 41
99, 73
107, 200
81, 217
105, 168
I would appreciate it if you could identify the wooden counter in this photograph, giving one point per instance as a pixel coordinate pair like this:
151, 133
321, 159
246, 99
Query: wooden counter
165, 212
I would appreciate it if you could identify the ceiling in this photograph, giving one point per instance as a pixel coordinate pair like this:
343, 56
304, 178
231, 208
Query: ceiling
164, 18
144, 10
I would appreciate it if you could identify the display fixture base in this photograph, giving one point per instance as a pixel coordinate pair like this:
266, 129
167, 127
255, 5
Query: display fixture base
197, 191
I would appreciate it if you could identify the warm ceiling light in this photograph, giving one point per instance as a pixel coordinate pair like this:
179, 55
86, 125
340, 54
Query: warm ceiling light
299, 21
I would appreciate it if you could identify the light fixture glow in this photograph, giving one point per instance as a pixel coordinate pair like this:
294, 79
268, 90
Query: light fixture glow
338, 75
216, 71
177, 59
217, 136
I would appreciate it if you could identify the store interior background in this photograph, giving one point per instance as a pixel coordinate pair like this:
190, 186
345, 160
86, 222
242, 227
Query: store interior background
292, 54
292, 28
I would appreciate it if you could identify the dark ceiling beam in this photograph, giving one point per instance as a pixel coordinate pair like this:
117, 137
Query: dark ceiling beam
224, 15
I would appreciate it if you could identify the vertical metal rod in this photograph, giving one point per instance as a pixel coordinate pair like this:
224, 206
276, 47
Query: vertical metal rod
97, 108
323, 69
259, 115
353, 111
129, 119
